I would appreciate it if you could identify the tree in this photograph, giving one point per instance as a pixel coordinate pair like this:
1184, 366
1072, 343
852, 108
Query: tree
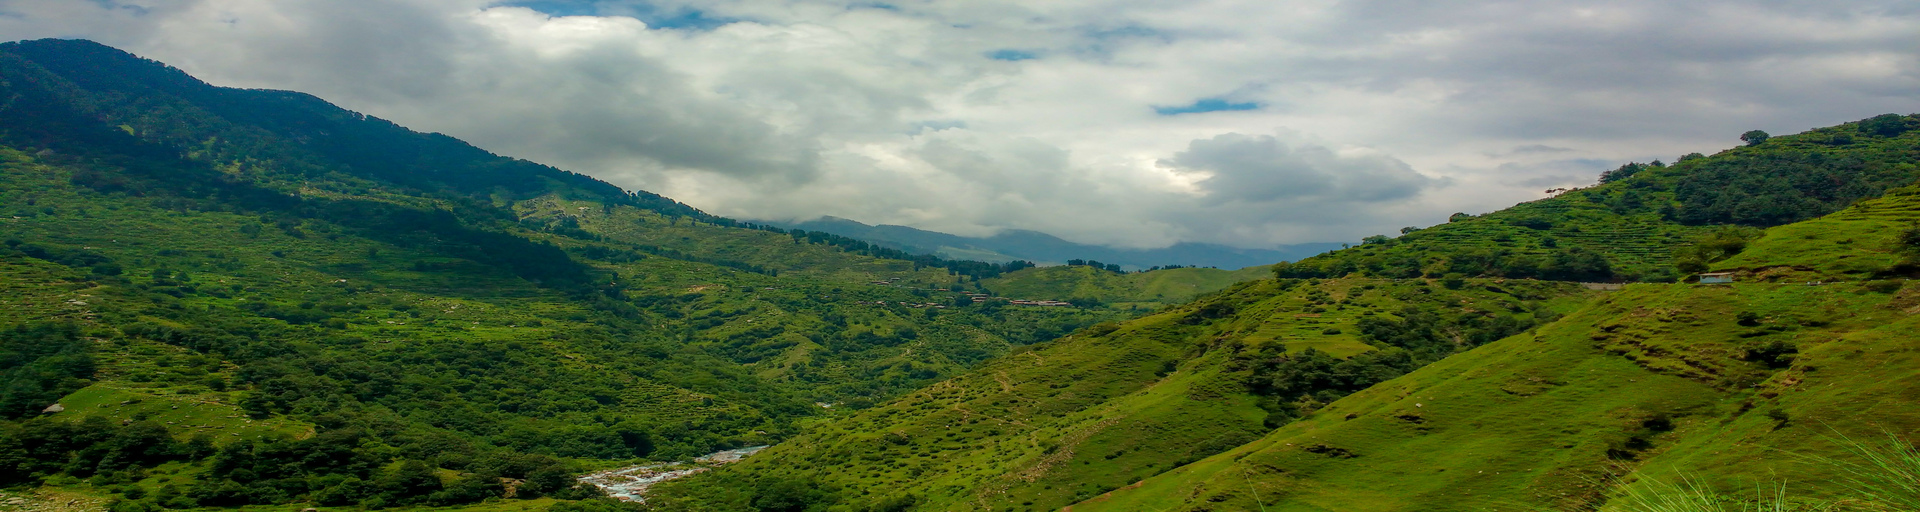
1625, 171
787, 495
1884, 125
1754, 137
411, 479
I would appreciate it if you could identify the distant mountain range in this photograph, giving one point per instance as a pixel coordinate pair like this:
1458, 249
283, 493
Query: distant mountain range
1045, 249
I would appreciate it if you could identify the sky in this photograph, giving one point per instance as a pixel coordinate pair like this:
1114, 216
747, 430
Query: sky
1120, 122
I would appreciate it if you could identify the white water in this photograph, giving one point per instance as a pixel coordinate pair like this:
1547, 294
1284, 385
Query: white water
631, 483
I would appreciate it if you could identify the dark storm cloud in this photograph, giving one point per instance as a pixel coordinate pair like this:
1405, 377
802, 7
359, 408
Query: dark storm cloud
1261, 168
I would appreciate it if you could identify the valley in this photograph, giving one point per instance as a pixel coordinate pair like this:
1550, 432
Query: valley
221, 299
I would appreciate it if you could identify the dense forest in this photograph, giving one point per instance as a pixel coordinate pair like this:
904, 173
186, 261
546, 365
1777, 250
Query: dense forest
254, 297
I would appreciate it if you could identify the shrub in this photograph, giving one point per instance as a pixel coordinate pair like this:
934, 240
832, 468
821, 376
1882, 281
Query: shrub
1883, 286
1909, 238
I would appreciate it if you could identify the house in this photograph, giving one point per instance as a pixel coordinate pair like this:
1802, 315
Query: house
1716, 278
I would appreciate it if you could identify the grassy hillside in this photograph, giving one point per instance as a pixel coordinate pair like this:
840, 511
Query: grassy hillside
1654, 383
1732, 386
1872, 240
1108, 406
1629, 226
1084, 284
253, 297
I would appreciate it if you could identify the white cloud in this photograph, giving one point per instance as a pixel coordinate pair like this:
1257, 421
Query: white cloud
1391, 112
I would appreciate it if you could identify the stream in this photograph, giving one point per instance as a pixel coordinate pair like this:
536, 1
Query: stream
631, 483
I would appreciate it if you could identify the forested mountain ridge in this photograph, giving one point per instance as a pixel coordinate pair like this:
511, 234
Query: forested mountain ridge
1643, 219
213, 284
275, 138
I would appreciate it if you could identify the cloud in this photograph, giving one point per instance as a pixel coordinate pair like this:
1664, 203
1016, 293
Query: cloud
1536, 149
1261, 168
1095, 120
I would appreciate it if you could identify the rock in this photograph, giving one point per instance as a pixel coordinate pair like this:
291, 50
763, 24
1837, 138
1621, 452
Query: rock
53, 409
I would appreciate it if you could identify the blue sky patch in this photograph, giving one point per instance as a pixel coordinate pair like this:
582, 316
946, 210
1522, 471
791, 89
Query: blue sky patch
1206, 105
653, 16
557, 7
1012, 55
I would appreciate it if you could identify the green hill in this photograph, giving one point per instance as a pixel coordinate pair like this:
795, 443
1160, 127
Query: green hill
1073, 418
1418, 394
254, 297
1629, 227
1730, 386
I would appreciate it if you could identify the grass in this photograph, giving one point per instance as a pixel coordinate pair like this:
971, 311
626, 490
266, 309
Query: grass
1655, 383
1687, 495
1069, 420
1855, 244
1885, 473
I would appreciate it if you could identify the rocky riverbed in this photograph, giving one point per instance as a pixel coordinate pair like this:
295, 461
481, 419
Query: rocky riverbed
631, 483
42, 501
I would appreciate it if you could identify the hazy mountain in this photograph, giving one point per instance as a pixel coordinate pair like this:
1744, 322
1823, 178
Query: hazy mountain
1045, 249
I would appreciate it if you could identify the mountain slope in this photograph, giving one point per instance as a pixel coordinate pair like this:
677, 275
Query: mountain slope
1082, 415
1730, 386
1050, 250
1085, 284
1629, 227
1558, 416
228, 282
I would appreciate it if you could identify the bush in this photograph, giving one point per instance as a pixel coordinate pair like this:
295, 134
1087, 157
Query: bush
469, 489
1908, 239
1774, 354
1883, 286
1885, 125
788, 495
596, 505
